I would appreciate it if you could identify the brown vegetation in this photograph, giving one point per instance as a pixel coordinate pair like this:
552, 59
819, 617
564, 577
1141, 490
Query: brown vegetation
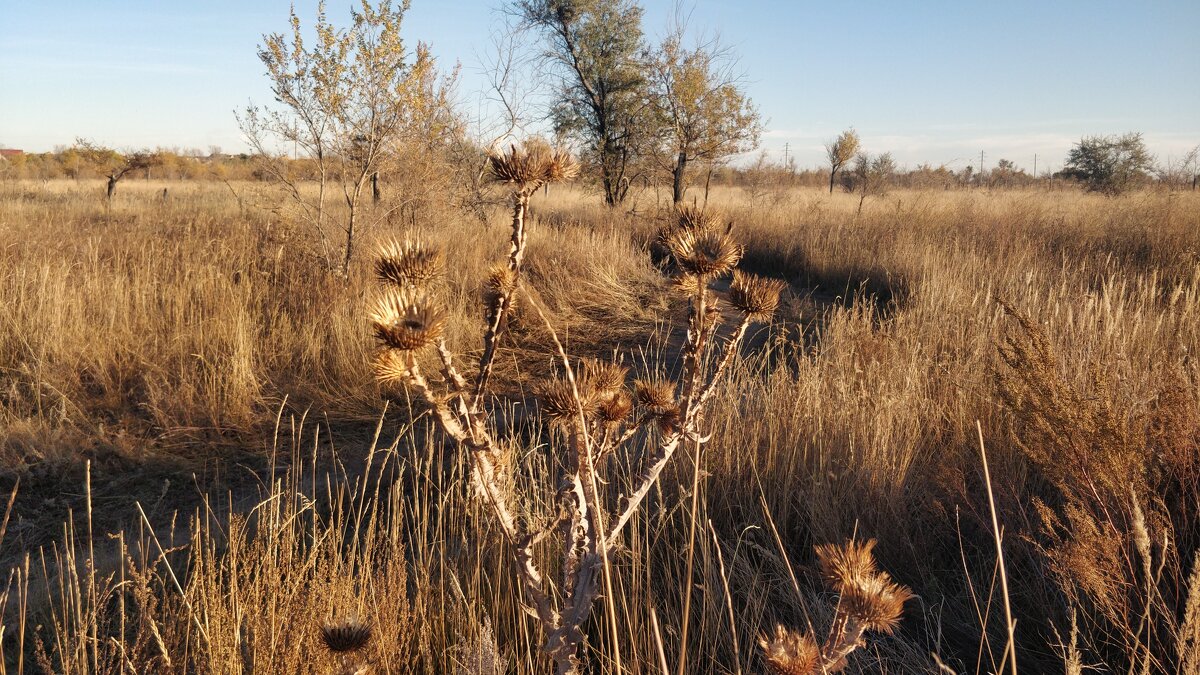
161, 356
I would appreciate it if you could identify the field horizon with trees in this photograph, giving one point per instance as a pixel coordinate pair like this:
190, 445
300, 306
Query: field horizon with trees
593, 385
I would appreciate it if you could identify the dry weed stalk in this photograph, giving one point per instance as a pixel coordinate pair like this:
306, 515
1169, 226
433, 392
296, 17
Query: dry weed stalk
868, 601
589, 407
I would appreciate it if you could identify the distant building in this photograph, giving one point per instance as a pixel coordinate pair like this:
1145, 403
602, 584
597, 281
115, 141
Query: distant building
10, 152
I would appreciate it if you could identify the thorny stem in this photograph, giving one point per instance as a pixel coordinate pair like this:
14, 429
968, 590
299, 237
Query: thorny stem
499, 312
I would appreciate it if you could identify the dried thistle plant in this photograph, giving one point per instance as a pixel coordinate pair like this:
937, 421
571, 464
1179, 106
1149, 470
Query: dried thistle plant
868, 600
346, 639
590, 406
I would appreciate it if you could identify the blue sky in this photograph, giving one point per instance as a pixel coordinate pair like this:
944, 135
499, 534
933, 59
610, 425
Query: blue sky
930, 81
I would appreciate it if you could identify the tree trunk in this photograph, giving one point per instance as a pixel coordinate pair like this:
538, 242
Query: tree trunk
349, 242
677, 186
375, 188
832, 174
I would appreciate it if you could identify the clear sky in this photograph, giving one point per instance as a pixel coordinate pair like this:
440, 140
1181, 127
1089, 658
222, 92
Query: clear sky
930, 81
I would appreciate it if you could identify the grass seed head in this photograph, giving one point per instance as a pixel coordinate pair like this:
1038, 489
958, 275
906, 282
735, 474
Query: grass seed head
756, 297
704, 254
347, 636
790, 653
408, 264
407, 320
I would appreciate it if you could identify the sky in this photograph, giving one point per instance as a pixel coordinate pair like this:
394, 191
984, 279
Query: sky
932, 82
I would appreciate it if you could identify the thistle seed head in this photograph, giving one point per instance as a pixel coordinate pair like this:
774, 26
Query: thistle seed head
704, 254
616, 408
602, 378
844, 565
876, 601
657, 396
756, 297
347, 636
532, 165
407, 320
408, 264
558, 402
867, 593
693, 219
790, 653
391, 367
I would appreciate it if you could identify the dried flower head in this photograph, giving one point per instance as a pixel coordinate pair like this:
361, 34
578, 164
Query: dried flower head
602, 378
392, 367
867, 594
532, 165
347, 636
687, 284
755, 296
408, 264
876, 601
657, 396
790, 653
616, 408
846, 564
704, 254
407, 320
559, 403
693, 219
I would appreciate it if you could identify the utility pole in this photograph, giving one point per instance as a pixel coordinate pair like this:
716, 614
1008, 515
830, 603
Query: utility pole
980, 168
786, 147
1035, 166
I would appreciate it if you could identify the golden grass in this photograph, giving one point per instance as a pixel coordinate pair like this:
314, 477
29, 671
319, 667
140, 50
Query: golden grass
162, 338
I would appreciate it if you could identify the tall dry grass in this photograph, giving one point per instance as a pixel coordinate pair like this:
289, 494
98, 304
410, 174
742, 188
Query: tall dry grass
162, 339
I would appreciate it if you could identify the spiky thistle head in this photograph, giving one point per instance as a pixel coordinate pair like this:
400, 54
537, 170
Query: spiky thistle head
704, 254
867, 593
694, 219
876, 601
407, 320
345, 636
602, 378
788, 652
533, 164
657, 396
392, 367
408, 264
501, 282
560, 405
756, 297
846, 564
616, 408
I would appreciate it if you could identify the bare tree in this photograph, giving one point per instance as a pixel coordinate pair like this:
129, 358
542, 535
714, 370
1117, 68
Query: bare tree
839, 152
1181, 172
872, 175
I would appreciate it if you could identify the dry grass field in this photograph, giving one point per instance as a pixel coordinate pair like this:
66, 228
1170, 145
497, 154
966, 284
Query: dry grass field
203, 471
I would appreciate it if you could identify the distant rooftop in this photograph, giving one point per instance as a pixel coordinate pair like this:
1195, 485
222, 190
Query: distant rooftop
10, 152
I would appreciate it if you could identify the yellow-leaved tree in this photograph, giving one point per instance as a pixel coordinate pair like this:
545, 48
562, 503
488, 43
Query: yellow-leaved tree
705, 114
347, 103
